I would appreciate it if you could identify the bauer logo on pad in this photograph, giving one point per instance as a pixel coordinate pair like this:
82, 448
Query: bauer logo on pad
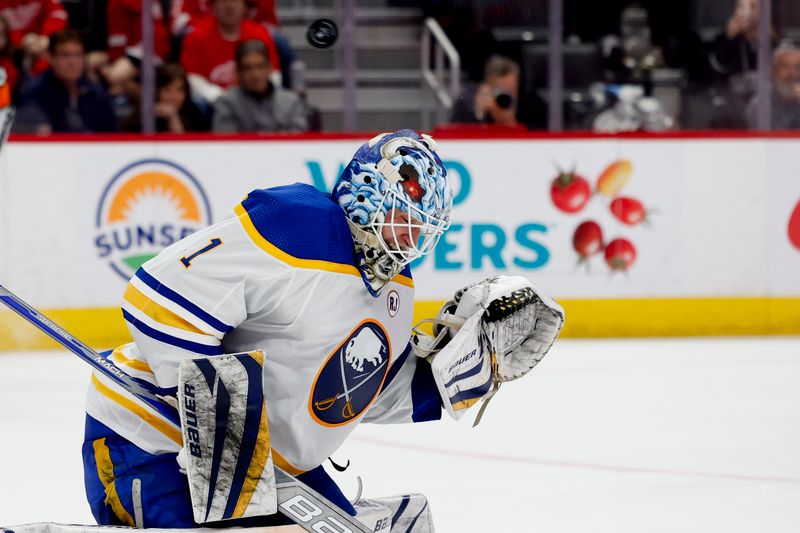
146, 206
352, 376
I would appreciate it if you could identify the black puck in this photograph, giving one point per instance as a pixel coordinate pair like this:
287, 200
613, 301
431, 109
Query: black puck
322, 33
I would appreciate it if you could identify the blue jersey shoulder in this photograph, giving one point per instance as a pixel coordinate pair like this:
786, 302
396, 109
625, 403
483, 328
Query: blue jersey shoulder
301, 221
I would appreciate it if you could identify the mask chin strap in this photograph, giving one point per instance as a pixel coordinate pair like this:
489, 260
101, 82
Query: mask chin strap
377, 267
364, 237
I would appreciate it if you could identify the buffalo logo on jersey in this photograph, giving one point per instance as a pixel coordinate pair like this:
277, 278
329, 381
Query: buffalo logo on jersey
352, 376
147, 206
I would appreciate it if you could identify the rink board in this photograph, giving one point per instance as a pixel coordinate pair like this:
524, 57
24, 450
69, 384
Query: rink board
718, 254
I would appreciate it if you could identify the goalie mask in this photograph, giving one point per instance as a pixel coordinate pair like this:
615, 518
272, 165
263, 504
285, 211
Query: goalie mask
397, 198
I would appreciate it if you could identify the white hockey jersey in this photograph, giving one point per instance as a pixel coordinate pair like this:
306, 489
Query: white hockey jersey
280, 276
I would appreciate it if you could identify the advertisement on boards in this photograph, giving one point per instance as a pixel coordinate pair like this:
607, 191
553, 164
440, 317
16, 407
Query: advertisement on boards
594, 218
784, 217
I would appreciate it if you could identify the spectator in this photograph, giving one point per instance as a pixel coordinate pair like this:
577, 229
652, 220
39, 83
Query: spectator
733, 64
258, 105
125, 27
209, 49
785, 90
496, 99
63, 99
6, 53
175, 110
734, 53
259, 11
32, 22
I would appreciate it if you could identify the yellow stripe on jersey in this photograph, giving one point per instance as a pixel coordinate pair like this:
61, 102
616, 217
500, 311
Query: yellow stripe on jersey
135, 364
277, 253
157, 312
105, 471
288, 467
403, 280
159, 424
257, 464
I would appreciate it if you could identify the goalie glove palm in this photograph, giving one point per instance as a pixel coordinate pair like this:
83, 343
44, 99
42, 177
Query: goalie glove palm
521, 323
493, 331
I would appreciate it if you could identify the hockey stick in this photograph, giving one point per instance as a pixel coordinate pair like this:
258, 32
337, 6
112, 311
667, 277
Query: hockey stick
296, 500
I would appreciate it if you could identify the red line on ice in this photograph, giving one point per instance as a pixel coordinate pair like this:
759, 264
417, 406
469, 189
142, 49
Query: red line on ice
575, 464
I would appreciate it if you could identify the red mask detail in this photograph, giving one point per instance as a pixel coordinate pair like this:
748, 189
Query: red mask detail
413, 188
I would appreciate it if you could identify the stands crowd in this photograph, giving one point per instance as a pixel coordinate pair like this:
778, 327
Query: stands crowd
629, 65
225, 66
80, 71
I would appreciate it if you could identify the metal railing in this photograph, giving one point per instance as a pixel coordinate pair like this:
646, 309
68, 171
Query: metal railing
435, 46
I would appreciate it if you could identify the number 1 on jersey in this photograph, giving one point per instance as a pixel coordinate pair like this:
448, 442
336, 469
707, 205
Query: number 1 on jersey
213, 243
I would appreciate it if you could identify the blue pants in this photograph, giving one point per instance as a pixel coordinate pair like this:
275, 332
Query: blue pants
112, 466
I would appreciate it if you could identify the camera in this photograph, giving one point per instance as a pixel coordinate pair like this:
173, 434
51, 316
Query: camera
503, 99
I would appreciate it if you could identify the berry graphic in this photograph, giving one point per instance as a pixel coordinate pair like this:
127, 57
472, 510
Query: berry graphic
570, 192
620, 254
628, 210
587, 239
794, 227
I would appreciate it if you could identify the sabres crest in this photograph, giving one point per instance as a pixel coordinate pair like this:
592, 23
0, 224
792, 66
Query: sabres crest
352, 376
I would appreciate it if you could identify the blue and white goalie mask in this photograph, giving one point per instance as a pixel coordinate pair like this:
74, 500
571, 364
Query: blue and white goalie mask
397, 197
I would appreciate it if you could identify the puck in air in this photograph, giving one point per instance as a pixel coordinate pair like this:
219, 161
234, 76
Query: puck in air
322, 33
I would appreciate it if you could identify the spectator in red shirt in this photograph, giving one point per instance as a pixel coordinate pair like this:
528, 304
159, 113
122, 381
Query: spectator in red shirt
6, 60
32, 22
210, 48
125, 27
33, 18
260, 11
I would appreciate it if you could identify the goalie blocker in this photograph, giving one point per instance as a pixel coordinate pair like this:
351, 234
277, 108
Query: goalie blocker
491, 332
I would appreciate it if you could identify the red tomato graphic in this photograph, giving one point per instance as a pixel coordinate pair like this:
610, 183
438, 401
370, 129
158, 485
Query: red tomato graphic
570, 192
620, 254
587, 239
628, 210
794, 227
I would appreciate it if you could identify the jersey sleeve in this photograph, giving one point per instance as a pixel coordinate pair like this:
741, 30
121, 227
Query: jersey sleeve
54, 17
182, 303
118, 30
409, 393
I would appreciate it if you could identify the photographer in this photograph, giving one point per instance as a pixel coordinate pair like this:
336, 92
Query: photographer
496, 99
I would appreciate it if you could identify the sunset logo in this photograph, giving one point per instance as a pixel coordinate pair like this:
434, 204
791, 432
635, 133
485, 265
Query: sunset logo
147, 206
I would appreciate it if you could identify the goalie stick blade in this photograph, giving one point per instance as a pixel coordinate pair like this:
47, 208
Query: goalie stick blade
52, 527
310, 510
297, 501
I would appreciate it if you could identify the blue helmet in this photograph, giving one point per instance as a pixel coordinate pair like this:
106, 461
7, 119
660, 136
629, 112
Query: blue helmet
397, 197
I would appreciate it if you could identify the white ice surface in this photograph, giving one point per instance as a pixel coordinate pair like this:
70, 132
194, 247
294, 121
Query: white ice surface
697, 435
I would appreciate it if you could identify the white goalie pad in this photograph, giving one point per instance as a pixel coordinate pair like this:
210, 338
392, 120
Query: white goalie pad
226, 437
409, 513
